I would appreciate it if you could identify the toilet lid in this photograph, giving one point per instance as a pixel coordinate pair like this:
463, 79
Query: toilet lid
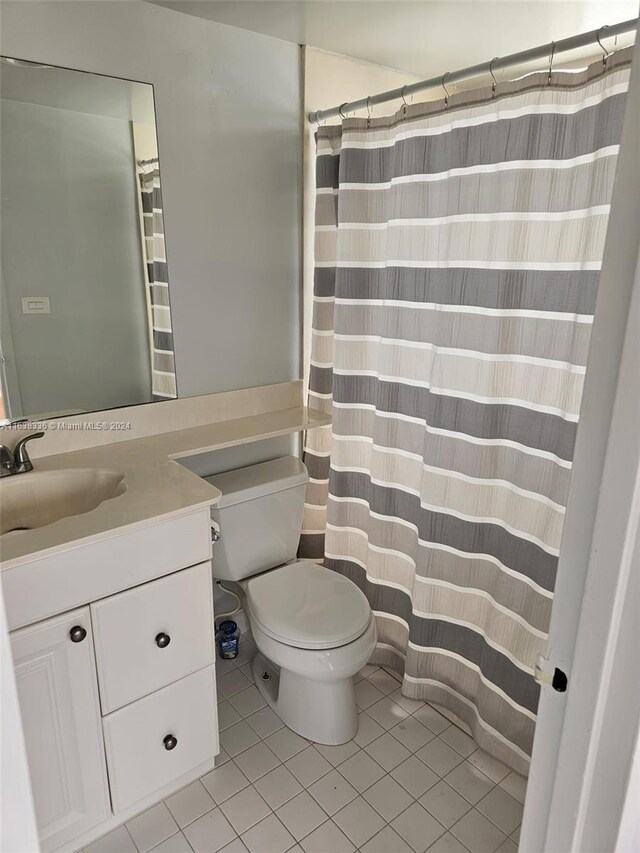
308, 606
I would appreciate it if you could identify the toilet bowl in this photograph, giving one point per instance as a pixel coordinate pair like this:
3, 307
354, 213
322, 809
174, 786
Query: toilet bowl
313, 627
314, 630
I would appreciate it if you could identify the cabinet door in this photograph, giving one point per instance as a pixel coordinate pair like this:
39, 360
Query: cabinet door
58, 696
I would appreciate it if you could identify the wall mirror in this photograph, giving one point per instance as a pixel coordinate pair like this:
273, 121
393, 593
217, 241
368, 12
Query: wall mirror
85, 320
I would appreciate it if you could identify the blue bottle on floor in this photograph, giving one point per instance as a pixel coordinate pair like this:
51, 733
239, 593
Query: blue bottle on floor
228, 639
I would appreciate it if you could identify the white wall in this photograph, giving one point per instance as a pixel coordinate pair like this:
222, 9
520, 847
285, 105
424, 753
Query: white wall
227, 104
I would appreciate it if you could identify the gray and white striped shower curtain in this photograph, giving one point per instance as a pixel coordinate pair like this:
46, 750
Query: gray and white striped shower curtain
163, 370
457, 260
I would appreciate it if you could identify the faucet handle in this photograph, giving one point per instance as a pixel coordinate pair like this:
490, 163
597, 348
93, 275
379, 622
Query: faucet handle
22, 463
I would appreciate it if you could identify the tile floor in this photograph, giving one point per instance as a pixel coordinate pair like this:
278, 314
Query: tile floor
408, 782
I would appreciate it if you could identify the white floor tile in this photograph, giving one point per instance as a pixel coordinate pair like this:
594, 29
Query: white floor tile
332, 792
246, 652
386, 713
237, 738
227, 715
415, 776
221, 758
383, 681
388, 752
469, 781
175, 844
394, 674
327, 838
268, 836
116, 841
286, 743
490, 766
445, 804
368, 670
412, 734
359, 821
368, 730
361, 771
367, 694
190, 803
429, 717
265, 722
418, 828
231, 683
247, 671
209, 833
278, 786
508, 846
388, 798
447, 843
386, 841
477, 833
516, 785
410, 705
224, 782
235, 846
151, 827
460, 724
404, 750
245, 809
336, 755
301, 815
308, 766
256, 761
461, 742
501, 809
247, 701
439, 756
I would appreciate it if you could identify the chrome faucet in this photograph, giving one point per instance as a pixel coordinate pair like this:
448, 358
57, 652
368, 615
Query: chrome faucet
17, 462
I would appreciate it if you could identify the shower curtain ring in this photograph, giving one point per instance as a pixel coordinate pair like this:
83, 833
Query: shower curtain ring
605, 53
446, 93
368, 111
404, 101
553, 50
493, 77
340, 108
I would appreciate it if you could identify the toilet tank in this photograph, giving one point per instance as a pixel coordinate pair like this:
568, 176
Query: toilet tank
259, 517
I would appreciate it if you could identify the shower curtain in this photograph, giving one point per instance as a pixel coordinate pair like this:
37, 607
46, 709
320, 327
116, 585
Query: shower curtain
163, 371
458, 248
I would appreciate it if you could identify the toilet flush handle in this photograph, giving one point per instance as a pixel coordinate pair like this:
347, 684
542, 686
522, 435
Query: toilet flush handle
215, 533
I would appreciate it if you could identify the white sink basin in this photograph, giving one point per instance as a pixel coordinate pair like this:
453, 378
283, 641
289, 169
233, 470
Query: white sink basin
39, 498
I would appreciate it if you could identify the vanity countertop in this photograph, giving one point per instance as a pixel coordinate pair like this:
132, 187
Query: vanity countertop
157, 486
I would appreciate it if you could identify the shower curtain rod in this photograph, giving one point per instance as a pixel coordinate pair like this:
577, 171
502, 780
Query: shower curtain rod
497, 64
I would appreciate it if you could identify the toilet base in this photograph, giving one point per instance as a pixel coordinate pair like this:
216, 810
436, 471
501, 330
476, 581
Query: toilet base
321, 711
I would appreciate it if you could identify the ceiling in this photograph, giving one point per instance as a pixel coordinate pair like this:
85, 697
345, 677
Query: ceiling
422, 37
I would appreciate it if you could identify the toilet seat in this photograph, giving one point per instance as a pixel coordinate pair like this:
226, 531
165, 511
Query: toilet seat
308, 606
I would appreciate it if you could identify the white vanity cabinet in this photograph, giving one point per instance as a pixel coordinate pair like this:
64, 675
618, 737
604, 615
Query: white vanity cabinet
118, 694
58, 694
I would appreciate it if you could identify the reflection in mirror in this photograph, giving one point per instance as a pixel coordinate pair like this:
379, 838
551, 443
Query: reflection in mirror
85, 320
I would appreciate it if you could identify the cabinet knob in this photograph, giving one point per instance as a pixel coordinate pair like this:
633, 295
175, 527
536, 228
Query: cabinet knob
170, 742
77, 634
162, 640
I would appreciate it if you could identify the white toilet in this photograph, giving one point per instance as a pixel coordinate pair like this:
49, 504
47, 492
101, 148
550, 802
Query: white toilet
314, 628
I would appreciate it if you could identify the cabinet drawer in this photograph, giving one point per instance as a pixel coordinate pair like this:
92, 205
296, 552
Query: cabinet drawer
138, 759
153, 635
